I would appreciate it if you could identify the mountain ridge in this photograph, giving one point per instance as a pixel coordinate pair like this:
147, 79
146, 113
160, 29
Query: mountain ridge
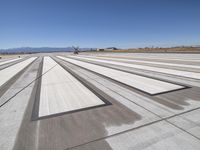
41, 49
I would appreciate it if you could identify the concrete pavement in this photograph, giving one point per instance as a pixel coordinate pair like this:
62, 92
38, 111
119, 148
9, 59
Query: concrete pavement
51, 103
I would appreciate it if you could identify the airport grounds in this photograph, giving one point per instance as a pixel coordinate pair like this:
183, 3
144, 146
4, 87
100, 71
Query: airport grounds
114, 99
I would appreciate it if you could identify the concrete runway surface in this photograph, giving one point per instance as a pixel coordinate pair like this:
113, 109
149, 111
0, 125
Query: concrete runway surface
100, 101
8, 61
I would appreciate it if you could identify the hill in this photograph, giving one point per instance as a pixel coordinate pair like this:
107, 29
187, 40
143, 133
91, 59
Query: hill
39, 50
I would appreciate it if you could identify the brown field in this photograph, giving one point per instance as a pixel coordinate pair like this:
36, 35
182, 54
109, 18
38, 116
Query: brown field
7, 56
159, 50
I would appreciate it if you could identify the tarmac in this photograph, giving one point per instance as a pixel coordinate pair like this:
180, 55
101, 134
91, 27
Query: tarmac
100, 101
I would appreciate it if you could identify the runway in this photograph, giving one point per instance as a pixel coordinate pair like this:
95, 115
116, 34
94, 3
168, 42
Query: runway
56, 96
9, 72
148, 85
8, 61
157, 69
101, 101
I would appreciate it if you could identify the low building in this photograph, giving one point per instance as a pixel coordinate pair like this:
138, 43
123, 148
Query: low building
107, 49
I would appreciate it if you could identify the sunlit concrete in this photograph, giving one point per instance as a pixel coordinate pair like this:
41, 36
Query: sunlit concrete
11, 116
139, 61
154, 56
12, 112
151, 86
189, 122
61, 92
10, 60
135, 120
157, 69
11, 71
158, 136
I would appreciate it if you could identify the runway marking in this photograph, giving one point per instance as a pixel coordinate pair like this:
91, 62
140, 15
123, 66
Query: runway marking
145, 84
61, 92
141, 61
187, 74
8, 61
7, 73
158, 58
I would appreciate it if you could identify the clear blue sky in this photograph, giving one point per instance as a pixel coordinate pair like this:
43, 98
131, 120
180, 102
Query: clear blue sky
99, 23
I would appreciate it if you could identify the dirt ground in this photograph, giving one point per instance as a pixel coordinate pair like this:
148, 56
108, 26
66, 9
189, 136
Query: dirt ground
159, 50
7, 56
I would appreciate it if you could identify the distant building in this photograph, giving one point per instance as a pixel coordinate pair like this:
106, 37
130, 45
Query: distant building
112, 48
100, 49
107, 49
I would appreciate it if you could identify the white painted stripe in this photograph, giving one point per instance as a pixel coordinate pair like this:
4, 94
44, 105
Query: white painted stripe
5, 59
48, 63
157, 69
149, 85
141, 61
61, 92
8, 61
7, 73
165, 58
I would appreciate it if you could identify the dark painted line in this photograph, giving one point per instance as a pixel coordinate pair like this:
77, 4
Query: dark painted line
35, 108
69, 112
159, 93
186, 87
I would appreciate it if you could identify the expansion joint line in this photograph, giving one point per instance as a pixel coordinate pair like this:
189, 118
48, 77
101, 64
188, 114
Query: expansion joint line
161, 119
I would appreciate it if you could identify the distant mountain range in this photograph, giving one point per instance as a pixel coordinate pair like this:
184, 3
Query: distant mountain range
41, 49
